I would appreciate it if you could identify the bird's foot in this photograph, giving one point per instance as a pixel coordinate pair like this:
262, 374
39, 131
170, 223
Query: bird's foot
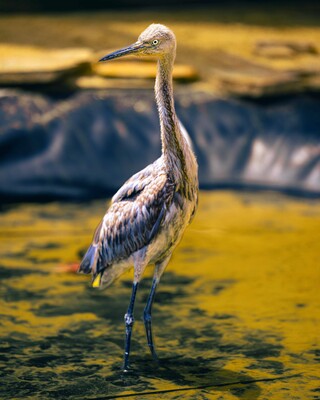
153, 353
126, 367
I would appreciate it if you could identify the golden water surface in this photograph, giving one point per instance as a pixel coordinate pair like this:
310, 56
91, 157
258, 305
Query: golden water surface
236, 315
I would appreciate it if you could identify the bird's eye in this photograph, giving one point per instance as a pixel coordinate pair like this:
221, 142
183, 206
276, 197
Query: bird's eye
155, 42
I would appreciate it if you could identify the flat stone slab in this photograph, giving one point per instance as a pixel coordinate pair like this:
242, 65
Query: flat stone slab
277, 49
241, 59
21, 65
98, 82
142, 69
129, 75
238, 76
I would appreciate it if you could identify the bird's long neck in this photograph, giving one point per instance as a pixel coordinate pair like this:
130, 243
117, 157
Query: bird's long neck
175, 146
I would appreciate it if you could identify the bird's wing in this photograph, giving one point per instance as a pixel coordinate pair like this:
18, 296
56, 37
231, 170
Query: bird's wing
131, 222
133, 186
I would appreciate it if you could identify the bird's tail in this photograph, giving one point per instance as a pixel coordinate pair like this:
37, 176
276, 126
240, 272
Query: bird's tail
89, 261
91, 264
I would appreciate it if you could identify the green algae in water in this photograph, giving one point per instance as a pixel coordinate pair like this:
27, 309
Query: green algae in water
236, 314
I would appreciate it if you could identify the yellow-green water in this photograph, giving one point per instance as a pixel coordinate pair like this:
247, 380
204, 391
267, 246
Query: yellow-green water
237, 314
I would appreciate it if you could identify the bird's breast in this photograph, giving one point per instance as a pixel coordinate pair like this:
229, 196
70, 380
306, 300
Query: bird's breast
176, 219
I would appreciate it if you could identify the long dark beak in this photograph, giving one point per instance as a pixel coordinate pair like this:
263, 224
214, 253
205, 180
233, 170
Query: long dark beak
132, 49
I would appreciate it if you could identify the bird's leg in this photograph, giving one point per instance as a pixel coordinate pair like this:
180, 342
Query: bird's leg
160, 267
129, 321
147, 318
139, 266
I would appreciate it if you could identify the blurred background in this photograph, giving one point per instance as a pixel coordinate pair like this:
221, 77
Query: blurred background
237, 313
247, 84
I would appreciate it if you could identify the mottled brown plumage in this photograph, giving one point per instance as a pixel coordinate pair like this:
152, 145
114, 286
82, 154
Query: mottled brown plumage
149, 213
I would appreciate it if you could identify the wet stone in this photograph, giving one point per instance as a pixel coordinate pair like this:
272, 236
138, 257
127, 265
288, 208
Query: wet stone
61, 338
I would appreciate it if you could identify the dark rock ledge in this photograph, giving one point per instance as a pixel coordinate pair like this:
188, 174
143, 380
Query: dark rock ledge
87, 145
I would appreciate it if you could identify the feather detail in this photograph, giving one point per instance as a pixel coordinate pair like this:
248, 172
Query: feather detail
132, 221
88, 260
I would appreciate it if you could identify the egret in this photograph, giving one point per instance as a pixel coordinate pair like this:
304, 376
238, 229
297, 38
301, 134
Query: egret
149, 213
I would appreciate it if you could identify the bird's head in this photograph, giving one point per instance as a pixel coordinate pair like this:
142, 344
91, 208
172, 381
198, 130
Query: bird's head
157, 40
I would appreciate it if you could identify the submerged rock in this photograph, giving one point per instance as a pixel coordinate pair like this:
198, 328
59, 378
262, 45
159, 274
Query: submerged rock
87, 145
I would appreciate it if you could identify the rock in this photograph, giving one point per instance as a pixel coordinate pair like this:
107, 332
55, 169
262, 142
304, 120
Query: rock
142, 69
87, 145
234, 53
98, 82
283, 49
20, 65
237, 76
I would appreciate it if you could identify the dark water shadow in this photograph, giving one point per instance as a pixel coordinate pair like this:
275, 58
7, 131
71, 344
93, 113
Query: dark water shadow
190, 374
73, 363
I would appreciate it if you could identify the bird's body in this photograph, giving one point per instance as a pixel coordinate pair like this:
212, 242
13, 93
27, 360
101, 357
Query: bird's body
149, 213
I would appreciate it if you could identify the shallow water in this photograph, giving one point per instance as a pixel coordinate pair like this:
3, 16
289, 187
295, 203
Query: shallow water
236, 314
